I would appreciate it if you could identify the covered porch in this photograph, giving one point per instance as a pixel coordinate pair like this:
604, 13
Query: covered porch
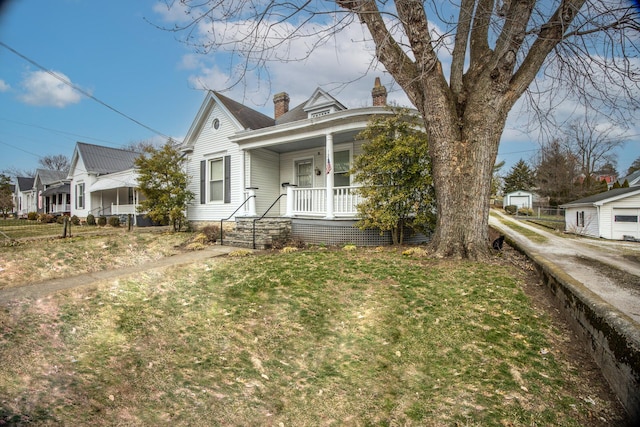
56, 200
306, 164
115, 195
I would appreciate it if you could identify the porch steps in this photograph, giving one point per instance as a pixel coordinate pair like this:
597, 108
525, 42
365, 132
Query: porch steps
268, 232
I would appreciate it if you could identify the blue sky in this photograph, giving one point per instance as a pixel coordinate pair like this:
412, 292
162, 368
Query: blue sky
110, 50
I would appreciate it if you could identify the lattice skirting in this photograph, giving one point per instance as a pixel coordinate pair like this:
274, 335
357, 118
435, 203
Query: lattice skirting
341, 232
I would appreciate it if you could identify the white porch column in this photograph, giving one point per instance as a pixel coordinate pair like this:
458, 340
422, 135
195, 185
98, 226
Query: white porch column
289, 212
251, 192
329, 172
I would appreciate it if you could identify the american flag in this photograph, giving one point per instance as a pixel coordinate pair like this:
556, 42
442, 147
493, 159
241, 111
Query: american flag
328, 166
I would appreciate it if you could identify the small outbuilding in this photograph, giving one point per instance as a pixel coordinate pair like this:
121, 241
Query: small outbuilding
613, 214
521, 199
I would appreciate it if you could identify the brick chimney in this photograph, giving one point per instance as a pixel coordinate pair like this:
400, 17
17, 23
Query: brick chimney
280, 104
379, 94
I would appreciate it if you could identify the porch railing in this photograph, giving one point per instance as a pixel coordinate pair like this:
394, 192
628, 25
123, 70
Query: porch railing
59, 208
313, 201
123, 209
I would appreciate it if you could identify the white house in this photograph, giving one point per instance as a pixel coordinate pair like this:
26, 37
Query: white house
25, 196
521, 199
51, 191
610, 215
103, 181
243, 163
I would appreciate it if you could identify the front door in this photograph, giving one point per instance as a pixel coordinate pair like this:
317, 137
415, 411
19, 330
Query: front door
304, 173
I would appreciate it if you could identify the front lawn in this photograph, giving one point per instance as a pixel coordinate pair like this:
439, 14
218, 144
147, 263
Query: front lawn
307, 338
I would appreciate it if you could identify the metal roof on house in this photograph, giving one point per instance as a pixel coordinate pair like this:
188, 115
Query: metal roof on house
248, 118
601, 197
25, 183
48, 177
101, 160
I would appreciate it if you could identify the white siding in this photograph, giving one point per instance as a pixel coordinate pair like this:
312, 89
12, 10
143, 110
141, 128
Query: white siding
264, 172
210, 144
591, 224
606, 212
90, 202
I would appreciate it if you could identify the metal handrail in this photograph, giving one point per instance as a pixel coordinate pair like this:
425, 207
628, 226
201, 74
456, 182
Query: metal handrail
230, 216
263, 215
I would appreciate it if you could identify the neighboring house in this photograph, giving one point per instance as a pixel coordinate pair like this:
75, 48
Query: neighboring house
25, 196
633, 179
613, 214
521, 199
103, 181
51, 190
243, 163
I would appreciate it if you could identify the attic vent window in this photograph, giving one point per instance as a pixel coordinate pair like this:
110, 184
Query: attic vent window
320, 113
216, 124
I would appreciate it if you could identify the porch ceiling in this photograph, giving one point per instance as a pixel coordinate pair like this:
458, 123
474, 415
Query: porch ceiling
315, 142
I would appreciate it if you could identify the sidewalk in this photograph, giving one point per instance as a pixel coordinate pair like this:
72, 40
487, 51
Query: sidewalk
572, 255
42, 289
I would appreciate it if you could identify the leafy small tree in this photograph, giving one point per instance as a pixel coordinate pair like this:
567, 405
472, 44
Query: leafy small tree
164, 183
394, 171
520, 177
6, 197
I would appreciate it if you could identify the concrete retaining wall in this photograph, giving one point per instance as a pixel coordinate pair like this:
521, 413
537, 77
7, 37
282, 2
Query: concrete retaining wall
611, 337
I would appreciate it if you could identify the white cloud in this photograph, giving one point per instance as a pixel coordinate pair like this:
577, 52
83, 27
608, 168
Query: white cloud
43, 89
4, 86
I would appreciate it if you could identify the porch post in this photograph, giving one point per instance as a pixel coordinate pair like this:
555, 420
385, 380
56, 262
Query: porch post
290, 204
251, 193
329, 172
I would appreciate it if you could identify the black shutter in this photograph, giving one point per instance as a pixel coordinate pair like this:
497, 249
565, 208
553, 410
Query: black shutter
203, 182
227, 179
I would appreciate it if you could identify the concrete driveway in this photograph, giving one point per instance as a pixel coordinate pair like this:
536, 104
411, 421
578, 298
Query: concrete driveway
583, 258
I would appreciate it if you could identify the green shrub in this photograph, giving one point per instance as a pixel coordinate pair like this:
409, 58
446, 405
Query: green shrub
75, 220
32, 216
91, 220
60, 219
102, 220
114, 221
511, 209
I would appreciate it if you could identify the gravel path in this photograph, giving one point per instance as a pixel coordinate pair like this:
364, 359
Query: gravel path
610, 269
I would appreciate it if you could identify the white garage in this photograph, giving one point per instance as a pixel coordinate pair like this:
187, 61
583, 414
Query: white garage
521, 199
613, 214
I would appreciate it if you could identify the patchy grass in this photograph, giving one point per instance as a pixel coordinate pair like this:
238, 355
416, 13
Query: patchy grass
21, 229
38, 260
305, 338
530, 234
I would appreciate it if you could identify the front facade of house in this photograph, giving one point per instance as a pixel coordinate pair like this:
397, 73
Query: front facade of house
103, 181
242, 163
25, 198
613, 214
51, 189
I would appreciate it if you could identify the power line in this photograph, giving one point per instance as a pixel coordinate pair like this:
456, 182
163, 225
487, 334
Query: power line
82, 91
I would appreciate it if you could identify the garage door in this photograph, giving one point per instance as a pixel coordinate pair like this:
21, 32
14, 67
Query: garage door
626, 223
520, 201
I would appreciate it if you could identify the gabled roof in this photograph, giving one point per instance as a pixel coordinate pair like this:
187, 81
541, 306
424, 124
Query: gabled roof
25, 183
605, 197
102, 160
48, 177
249, 119
633, 179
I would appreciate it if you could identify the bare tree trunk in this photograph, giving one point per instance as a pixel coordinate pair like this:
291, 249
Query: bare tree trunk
462, 166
